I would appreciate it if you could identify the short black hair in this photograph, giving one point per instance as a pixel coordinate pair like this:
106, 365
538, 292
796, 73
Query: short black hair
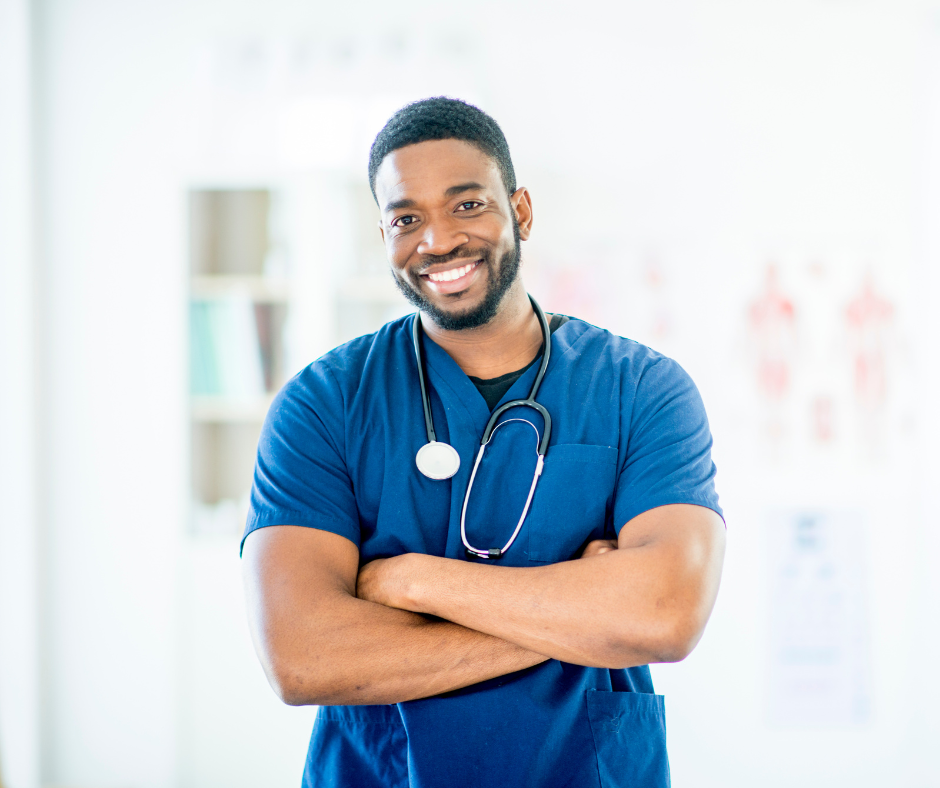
442, 118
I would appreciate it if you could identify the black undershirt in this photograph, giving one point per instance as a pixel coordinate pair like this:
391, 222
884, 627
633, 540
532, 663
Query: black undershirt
494, 388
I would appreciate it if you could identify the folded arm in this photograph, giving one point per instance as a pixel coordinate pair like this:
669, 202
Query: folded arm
319, 644
646, 601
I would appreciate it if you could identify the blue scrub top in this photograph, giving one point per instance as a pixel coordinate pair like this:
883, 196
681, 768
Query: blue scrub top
629, 433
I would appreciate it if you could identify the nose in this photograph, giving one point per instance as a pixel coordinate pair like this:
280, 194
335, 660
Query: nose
441, 235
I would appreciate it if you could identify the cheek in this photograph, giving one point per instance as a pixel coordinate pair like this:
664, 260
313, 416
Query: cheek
398, 253
496, 231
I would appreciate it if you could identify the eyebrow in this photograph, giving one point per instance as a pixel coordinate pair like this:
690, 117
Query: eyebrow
453, 191
463, 187
399, 204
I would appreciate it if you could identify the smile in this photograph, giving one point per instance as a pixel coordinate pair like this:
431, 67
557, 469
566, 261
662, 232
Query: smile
453, 274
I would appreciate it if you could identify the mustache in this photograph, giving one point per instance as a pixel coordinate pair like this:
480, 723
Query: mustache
427, 260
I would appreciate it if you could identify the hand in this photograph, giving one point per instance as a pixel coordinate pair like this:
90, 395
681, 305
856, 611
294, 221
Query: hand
599, 546
384, 581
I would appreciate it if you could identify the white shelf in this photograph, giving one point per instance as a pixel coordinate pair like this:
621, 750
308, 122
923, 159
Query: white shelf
256, 288
222, 409
370, 289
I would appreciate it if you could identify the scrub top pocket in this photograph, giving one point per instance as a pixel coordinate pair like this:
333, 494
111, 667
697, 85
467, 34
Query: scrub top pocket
357, 747
629, 731
571, 502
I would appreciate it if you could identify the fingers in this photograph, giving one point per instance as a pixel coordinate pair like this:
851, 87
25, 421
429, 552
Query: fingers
599, 546
367, 583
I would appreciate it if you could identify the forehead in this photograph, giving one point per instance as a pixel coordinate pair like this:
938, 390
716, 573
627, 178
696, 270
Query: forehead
426, 170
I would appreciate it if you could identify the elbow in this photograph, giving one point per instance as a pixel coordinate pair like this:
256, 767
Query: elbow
294, 686
317, 682
292, 695
674, 650
676, 639
666, 640
289, 689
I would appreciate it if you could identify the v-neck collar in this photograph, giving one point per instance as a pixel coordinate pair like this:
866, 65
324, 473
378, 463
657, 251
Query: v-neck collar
453, 386
456, 389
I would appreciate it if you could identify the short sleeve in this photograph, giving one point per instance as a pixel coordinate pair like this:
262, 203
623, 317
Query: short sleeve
668, 458
300, 474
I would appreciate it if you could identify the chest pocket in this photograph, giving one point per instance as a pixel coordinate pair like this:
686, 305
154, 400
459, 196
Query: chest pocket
571, 502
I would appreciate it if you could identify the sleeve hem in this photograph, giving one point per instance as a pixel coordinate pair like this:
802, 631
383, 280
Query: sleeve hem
293, 518
652, 503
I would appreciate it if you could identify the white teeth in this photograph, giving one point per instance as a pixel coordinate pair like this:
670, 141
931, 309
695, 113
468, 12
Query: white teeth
450, 276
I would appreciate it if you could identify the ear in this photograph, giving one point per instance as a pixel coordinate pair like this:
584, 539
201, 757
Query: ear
521, 202
381, 230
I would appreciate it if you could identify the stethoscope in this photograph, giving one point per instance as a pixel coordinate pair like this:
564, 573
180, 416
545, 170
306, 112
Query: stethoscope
439, 460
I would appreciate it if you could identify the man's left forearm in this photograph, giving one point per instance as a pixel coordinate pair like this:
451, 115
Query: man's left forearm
647, 601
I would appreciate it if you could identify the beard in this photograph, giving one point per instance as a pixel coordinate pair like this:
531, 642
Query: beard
498, 283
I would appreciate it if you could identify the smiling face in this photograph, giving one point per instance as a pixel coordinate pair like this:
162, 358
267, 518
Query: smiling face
451, 232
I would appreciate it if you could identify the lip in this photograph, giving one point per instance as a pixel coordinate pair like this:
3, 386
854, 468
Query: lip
454, 285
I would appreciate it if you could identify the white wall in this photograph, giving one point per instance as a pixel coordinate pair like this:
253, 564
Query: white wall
111, 219
721, 133
19, 579
924, 724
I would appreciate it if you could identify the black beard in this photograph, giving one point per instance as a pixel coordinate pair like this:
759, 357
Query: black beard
498, 286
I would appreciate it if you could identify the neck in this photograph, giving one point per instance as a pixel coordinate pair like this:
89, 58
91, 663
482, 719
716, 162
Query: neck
508, 342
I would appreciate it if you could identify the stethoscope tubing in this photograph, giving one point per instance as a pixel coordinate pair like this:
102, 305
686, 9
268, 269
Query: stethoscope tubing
516, 403
425, 399
492, 424
498, 553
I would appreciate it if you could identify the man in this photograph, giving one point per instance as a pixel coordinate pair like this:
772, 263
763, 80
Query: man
438, 669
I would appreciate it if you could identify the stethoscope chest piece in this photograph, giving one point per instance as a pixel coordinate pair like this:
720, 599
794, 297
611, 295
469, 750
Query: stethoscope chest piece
437, 460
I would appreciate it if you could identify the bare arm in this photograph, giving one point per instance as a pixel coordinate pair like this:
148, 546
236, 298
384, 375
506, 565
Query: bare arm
646, 601
319, 644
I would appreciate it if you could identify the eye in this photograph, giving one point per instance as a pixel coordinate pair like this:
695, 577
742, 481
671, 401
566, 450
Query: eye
469, 205
403, 221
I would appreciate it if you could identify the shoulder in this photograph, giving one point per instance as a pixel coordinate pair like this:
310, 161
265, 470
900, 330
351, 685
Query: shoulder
340, 372
634, 363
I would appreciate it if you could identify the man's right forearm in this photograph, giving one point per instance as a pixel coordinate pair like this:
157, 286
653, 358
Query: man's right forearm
320, 644
366, 653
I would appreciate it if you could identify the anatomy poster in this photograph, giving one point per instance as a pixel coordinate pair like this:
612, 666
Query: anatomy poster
771, 317
872, 346
818, 646
826, 363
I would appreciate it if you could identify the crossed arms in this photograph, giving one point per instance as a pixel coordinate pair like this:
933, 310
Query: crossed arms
328, 633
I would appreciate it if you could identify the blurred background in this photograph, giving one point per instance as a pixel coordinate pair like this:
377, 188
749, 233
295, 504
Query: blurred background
185, 222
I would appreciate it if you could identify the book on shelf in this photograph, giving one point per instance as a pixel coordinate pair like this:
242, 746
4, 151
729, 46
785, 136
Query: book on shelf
265, 321
231, 349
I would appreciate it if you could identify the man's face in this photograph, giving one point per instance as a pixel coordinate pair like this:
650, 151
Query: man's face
450, 230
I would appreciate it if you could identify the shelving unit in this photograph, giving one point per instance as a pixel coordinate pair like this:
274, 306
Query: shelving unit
365, 295
259, 289
278, 275
239, 302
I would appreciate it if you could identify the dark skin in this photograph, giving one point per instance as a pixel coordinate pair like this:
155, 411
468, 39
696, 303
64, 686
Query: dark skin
420, 219
328, 632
